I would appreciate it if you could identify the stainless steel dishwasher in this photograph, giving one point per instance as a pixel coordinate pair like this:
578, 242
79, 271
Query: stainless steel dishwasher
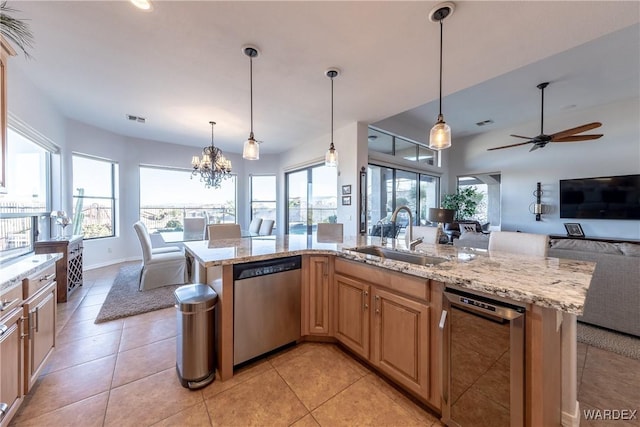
483, 361
266, 306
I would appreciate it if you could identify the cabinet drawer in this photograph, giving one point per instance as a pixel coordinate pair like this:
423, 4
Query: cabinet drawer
10, 299
409, 285
35, 282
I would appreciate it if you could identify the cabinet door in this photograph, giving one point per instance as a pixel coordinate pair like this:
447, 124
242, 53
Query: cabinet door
319, 286
11, 365
352, 312
41, 315
400, 340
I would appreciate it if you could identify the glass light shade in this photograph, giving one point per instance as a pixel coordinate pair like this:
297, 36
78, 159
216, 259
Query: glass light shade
440, 136
331, 157
142, 4
195, 161
251, 150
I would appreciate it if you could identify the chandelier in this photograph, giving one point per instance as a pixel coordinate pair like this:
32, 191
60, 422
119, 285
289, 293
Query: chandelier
213, 168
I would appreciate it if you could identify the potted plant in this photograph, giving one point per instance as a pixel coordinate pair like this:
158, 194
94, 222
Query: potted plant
465, 202
15, 30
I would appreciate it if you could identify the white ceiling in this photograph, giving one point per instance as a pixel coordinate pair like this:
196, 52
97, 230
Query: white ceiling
181, 64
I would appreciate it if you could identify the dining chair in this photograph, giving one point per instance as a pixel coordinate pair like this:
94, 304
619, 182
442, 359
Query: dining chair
223, 231
194, 228
266, 227
519, 243
254, 226
329, 232
158, 268
158, 246
429, 235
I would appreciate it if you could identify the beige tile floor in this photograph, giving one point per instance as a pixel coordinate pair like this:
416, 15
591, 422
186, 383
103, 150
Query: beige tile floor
122, 373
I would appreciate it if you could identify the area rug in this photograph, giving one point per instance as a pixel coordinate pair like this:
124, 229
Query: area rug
622, 344
125, 300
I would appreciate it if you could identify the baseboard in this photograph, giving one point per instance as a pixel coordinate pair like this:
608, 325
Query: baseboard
110, 262
571, 420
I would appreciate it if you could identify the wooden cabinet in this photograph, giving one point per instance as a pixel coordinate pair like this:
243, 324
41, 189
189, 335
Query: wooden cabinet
352, 314
387, 319
69, 267
11, 363
40, 314
316, 296
400, 339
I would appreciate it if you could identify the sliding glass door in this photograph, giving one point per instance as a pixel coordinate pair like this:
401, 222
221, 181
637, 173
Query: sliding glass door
389, 188
312, 197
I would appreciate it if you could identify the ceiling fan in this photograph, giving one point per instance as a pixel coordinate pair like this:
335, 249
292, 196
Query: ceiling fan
568, 135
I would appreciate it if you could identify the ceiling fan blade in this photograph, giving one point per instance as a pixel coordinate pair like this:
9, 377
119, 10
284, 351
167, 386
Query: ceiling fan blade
578, 138
509, 146
535, 147
579, 129
520, 136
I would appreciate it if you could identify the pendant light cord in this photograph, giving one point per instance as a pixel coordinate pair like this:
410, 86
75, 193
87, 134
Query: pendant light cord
251, 90
212, 123
331, 112
440, 112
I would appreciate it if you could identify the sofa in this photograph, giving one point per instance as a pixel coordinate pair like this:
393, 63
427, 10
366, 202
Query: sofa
613, 299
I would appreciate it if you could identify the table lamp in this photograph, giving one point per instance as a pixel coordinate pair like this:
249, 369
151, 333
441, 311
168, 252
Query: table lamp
441, 216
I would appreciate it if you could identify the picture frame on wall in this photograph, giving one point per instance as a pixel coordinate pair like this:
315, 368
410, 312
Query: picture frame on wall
573, 229
346, 200
346, 189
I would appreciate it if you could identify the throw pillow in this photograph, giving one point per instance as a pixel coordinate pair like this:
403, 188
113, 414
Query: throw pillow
473, 235
629, 249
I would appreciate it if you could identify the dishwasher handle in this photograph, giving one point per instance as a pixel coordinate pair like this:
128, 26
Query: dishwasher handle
263, 268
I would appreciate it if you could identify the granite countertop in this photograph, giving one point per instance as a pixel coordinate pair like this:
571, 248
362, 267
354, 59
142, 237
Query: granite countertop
14, 272
560, 284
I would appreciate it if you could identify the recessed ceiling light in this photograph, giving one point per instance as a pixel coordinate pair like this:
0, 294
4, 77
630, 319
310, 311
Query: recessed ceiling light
142, 4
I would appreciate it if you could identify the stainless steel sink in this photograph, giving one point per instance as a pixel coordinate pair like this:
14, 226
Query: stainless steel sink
410, 257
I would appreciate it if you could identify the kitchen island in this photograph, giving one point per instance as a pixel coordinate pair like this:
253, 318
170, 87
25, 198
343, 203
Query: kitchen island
552, 290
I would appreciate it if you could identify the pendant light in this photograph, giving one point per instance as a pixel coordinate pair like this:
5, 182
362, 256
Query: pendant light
251, 150
331, 157
440, 135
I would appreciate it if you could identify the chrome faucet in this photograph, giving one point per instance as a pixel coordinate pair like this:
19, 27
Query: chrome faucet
394, 216
383, 238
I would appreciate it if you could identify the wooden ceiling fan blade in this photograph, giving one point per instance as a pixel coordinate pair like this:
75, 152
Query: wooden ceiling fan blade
579, 129
509, 146
578, 138
520, 136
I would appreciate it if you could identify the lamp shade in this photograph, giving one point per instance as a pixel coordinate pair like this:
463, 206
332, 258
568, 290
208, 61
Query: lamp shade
251, 150
440, 136
441, 215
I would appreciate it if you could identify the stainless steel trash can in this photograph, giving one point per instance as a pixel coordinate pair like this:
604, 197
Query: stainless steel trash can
195, 358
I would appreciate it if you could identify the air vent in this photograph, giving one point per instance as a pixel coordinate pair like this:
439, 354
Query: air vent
484, 122
136, 118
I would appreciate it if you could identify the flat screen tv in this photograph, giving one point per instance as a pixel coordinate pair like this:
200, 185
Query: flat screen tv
607, 197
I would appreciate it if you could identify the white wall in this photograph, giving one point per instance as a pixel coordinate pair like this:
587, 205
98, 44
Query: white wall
616, 153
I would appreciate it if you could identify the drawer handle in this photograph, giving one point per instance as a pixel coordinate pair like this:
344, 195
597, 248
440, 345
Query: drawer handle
3, 329
27, 335
4, 304
3, 410
49, 277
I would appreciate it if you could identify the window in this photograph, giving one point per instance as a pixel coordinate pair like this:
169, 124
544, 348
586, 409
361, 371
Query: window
263, 197
27, 195
389, 188
188, 197
94, 199
488, 184
312, 197
401, 148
